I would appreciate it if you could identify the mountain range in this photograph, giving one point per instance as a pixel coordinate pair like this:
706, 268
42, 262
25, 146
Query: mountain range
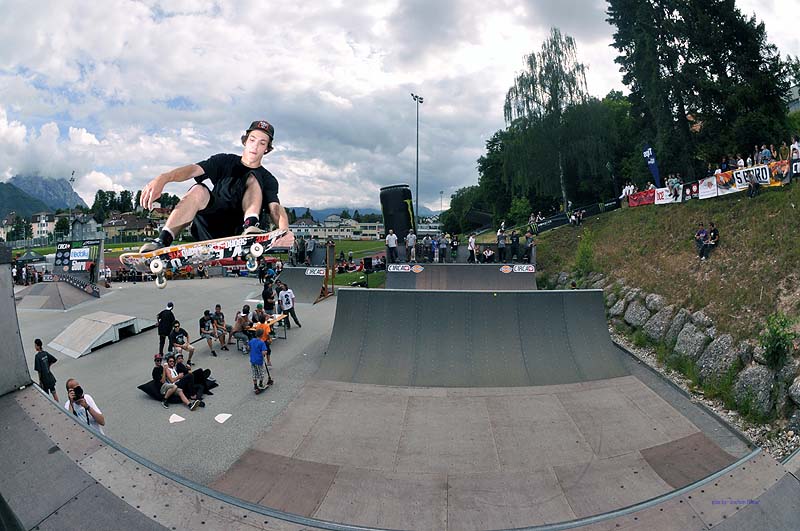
12, 199
55, 193
321, 213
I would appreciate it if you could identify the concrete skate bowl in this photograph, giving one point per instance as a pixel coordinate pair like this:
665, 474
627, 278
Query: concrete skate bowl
461, 277
305, 282
346, 455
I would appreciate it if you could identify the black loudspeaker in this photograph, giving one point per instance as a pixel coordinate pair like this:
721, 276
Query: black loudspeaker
367, 263
398, 210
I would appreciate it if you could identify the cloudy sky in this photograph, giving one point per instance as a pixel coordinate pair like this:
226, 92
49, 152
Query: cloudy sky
120, 91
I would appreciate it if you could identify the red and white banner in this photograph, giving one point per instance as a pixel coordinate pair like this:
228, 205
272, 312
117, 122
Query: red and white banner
663, 197
646, 197
691, 191
708, 187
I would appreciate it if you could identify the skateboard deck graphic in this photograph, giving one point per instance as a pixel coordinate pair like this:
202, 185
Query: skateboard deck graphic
249, 247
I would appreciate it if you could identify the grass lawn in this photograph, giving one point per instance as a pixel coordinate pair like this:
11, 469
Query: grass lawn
376, 280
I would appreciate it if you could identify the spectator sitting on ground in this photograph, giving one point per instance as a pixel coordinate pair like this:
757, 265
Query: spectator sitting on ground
83, 406
179, 340
700, 239
488, 255
167, 389
184, 380
209, 332
199, 377
650, 186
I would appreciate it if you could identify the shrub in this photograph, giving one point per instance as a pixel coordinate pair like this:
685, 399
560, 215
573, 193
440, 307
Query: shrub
777, 340
584, 256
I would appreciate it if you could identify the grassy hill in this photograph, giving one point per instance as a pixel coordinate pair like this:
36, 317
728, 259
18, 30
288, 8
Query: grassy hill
754, 272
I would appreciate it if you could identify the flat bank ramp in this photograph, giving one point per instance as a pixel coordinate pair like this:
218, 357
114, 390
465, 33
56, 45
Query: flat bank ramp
461, 277
306, 282
470, 339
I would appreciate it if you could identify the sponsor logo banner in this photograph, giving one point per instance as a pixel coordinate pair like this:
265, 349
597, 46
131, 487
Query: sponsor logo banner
708, 187
743, 176
506, 269
524, 268
79, 254
691, 191
779, 173
315, 271
726, 183
796, 168
416, 268
663, 197
646, 197
398, 268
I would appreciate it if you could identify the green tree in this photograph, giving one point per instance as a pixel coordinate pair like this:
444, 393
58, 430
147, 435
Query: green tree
307, 214
20, 229
492, 177
100, 207
126, 201
292, 216
137, 200
62, 226
519, 212
357, 216
552, 81
345, 214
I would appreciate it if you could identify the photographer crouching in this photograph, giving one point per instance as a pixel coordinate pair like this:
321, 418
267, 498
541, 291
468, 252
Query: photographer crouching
82, 405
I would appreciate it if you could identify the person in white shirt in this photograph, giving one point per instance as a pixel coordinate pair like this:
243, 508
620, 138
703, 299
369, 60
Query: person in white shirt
286, 297
471, 248
83, 406
411, 247
391, 244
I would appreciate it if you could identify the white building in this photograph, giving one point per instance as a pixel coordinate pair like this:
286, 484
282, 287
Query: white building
43, 224
336, 228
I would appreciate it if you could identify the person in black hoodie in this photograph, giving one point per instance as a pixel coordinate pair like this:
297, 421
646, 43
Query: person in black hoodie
165, 321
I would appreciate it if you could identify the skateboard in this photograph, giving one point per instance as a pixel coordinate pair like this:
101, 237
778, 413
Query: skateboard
250, 247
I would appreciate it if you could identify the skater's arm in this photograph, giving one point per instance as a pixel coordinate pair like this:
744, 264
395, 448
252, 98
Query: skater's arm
152, 191
279, 216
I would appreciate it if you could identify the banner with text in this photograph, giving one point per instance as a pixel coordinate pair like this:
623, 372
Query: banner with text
663, 197
646, 197
726, 184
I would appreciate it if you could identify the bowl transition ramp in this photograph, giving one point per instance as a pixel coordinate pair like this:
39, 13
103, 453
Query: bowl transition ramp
305, 282
461, 277
470, 339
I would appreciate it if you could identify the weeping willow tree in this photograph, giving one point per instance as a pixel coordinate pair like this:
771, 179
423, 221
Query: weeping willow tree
553, 80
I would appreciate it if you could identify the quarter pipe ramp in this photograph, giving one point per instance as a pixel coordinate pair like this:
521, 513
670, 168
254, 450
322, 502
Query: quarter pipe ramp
461, 277
305, 282
470, 339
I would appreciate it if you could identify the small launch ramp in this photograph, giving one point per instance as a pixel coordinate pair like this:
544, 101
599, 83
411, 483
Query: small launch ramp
305, 282
51, 296
470, 339
461, 277
95, 330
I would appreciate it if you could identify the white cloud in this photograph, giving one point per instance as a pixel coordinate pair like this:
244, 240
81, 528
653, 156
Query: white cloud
122, 90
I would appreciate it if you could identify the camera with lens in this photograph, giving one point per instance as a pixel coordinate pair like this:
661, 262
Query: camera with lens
77, 392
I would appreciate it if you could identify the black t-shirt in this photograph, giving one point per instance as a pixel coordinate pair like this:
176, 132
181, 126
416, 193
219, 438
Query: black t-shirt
713, 236
157, 372
228, 179
178, 337
219, 317
515, 239
165, 321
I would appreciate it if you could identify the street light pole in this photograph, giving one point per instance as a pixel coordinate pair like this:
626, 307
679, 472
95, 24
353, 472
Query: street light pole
441, 208
71, 182
419, 101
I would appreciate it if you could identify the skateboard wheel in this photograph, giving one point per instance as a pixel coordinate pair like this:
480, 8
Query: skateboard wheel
157, 266
252, 265
161, 282
256, 249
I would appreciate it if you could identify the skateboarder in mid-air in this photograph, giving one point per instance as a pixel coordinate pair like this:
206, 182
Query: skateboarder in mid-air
229, 188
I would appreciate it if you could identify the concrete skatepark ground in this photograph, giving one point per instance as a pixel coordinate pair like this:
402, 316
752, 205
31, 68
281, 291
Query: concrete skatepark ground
431, 442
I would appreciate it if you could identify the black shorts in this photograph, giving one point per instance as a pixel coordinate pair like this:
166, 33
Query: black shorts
222, 217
